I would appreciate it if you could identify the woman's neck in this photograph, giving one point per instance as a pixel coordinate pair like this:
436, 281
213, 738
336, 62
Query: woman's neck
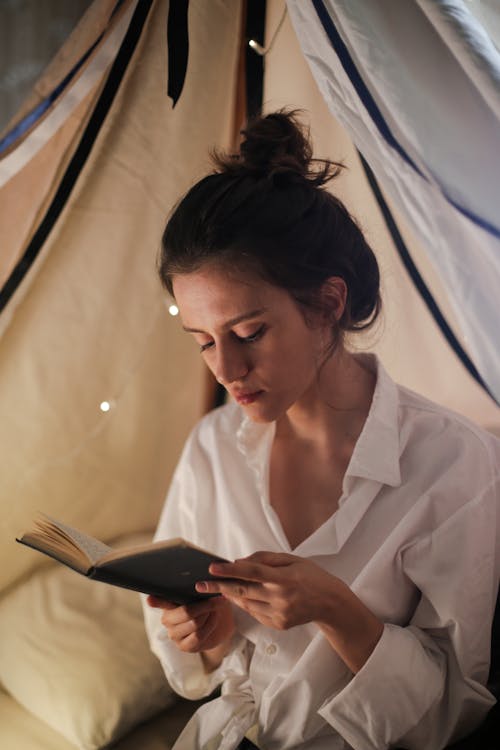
334, 410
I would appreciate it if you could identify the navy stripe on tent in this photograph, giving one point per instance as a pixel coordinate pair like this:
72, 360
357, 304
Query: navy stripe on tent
375, 113
32, 117
27, 122
490, 228
417, 279
178, 47
358, 83
82, 152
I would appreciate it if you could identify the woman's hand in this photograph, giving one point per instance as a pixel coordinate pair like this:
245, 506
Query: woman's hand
278, 590
202, 626
282, 591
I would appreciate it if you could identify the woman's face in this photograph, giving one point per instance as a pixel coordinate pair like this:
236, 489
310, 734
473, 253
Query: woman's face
253, 337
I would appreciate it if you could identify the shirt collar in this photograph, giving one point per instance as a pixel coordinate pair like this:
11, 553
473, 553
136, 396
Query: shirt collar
377, 450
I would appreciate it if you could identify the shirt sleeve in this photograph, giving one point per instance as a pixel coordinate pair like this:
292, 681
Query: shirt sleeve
185, 672
424, 684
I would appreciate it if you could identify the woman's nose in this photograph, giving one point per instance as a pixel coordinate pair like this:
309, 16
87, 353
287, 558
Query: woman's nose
230, 367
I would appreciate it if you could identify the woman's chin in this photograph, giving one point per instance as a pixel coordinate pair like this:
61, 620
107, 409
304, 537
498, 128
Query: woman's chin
262, 412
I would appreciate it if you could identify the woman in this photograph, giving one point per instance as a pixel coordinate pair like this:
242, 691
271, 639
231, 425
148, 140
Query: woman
361, 517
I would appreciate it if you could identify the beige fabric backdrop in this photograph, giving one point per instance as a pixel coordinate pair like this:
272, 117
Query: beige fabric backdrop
25, 197
20, 43
91, 323
408, 341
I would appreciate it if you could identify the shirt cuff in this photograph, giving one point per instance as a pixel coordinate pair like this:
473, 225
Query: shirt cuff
384, 700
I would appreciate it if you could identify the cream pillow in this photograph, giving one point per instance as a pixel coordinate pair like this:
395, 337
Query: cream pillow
74, 653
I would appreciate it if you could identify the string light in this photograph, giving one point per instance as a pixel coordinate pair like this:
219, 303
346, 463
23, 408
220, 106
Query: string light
258, 48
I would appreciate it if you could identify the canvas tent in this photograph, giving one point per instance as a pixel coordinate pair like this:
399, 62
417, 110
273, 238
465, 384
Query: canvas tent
98, 384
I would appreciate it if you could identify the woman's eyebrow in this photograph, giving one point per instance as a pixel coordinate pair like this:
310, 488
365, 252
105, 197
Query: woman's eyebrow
233, 321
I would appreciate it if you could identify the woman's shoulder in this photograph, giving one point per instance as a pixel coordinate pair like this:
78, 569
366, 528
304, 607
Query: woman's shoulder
443, 427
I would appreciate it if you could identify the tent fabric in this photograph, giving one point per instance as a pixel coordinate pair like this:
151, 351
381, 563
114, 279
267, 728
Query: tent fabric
85, 145
26, 194
91, 324
486, 12
93, 22
50, 143
407, 338
418, 280
29, 120
416, 87
48, 117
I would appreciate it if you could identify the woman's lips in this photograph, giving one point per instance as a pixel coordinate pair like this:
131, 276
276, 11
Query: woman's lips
247, 398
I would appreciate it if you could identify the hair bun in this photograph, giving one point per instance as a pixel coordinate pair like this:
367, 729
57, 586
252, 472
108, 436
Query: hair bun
277, 147
275, 143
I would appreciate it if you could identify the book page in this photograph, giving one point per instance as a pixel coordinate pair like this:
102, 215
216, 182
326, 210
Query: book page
93, 548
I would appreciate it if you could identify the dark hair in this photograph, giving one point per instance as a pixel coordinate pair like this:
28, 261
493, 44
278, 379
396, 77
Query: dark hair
265, 210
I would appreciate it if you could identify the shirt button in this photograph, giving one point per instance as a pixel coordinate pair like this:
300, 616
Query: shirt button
271, 649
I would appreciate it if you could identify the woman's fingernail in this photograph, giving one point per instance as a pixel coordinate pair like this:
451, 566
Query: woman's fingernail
201, 586
216, 568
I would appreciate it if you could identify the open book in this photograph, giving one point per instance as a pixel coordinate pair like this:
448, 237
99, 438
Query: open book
167, 569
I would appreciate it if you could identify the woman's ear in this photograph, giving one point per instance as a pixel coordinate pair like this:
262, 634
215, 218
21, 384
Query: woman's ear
333, 297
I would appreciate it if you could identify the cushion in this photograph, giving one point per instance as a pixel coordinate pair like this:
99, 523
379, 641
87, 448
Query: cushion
23, 731
20, 730
74, 653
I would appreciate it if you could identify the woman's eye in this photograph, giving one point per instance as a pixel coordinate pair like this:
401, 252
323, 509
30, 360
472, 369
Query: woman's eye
244, 339
204, 347
254, 336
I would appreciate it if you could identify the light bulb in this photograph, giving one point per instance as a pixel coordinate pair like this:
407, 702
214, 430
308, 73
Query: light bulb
258, 48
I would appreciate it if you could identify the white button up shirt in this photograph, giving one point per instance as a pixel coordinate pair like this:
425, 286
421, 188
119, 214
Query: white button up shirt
416, 538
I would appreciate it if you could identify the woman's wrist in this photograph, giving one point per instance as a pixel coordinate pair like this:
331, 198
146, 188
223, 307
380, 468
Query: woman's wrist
213, 657
350, 626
